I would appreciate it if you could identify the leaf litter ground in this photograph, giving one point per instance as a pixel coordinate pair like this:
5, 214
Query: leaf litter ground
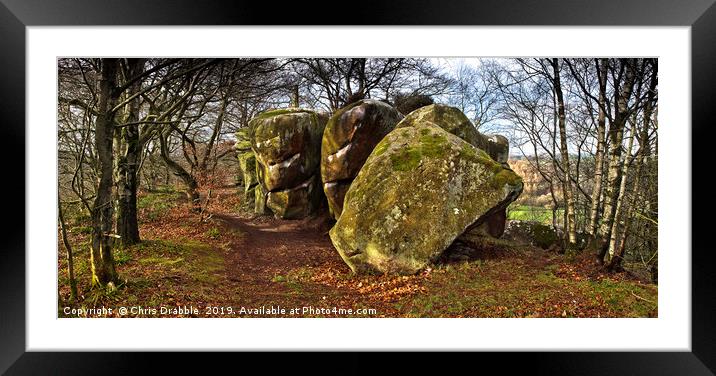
234, 259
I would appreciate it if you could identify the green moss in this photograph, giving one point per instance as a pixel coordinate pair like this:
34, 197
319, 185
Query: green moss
207, 264
381, 147
281, 111
503, 177
121, 257
213, 233
450, 119
548, 278
154, 205
406, 159
300, 275
476, 155
160, 260
384, 230
623, 298
433, 145
243, 140
468, 152
544, 236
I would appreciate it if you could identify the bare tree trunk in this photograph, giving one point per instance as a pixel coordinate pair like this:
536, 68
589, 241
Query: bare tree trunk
644, 151
599, 158
68, 247
128, 163
564, 153
616, 131
294, 96
617, 221
192, 187
215, 134
101, 260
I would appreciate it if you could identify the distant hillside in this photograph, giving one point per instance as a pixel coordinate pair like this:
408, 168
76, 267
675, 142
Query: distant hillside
536, 188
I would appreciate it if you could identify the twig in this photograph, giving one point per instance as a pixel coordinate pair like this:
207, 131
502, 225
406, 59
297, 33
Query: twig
639, 297
647, 218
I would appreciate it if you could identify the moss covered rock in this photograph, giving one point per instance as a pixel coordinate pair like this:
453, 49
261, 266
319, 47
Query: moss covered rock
533, 233
287, 146
349, 137
454, 121
243, 140
260, 194
420, 188
247, 164
297, 202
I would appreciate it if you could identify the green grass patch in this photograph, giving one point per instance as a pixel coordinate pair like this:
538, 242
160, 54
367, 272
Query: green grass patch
213, 233
160, 261
623, 298
157, 203
121, 257
533, 214
518, 288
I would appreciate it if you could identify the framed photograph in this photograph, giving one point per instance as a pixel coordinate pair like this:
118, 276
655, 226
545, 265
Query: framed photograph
485, 179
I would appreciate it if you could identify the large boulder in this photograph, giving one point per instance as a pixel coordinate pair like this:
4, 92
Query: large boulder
287, 146
349, 137
420, 188
454, 121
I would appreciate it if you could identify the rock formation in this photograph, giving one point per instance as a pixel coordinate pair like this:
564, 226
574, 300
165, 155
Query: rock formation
247, 164
349, 137
421, 188
454, 121
287, 146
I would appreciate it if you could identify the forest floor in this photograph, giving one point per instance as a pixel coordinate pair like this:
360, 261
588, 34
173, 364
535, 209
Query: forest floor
236, 264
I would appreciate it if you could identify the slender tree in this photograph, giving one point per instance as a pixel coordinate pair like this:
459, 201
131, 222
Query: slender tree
101, 259
564, 154
624, 79
128, 149
68, 248
601, 68
618, 247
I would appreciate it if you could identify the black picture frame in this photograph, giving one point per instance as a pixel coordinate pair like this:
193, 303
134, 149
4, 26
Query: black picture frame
16, 15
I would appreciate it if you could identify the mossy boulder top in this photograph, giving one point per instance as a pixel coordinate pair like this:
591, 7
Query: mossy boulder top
349, 137
287, 146
420, 188
243, 140
454, 121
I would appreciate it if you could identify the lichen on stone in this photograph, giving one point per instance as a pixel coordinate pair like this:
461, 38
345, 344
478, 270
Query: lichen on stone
287, 145
348, 139
399, 213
